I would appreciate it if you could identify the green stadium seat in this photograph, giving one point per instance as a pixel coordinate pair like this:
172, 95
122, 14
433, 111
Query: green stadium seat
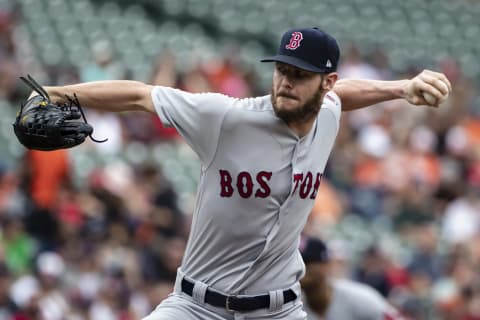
199, 9
174, 7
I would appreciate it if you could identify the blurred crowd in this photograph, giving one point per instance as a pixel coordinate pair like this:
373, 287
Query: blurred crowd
109, 248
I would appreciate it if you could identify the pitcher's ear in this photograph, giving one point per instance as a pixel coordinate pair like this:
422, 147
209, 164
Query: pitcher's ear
328, 80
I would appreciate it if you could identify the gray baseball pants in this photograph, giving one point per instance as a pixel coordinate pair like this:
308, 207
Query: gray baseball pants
180, 306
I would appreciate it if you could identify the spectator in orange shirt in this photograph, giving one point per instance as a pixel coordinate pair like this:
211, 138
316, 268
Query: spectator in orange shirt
327, 209
45, 175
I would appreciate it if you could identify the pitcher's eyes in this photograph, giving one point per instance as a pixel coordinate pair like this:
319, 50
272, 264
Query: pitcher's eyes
294, 73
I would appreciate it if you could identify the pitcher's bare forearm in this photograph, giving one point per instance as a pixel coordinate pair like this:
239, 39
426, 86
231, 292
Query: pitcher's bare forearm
360, 93
115, 95
356, 94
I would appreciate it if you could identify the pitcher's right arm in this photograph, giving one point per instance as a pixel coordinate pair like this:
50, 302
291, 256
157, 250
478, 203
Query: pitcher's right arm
114, 95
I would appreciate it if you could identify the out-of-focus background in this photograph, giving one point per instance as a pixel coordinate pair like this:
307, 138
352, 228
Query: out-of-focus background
98, 231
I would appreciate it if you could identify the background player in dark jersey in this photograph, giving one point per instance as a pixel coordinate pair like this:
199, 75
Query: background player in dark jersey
331, 298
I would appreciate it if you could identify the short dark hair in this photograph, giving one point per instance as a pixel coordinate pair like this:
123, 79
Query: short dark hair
314, 250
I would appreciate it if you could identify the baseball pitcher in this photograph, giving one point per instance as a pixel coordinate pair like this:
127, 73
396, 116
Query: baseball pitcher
262, 162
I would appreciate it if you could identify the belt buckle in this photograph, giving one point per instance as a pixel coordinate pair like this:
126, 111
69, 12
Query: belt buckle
227, 303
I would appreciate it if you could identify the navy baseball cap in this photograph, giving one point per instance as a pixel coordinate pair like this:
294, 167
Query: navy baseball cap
310, 49
313, 250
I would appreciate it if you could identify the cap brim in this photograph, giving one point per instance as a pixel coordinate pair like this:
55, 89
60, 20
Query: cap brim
295, 62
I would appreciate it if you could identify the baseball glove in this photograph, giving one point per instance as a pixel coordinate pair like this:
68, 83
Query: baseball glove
44, 125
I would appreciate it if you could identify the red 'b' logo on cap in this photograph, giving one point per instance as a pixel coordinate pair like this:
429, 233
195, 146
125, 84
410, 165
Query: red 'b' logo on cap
295, 40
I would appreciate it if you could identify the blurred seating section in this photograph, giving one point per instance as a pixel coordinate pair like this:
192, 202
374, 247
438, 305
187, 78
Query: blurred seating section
54, 37
414, 31
410, 32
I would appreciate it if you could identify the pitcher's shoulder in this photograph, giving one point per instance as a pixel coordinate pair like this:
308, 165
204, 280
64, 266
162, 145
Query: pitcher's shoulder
332, 102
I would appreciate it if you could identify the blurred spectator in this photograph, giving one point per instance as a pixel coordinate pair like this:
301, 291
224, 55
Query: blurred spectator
116, 256
164, 74
83, 278
327, 209
367, 197
63, 74
104, 66
165, 216
45, 174
461, 220
161, 260
226, 75
381, 62
426, 258
9, 65
341, 259
112, 302
372, 271
107, 126
12, 198
109, 186
354, 66
195, 81
164, 70
17, 246
8, 308
25, 292
52, 303
471, 298
145, 128
8, 19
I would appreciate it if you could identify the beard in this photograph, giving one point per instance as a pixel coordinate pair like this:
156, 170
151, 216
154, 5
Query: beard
308, 110
319, 297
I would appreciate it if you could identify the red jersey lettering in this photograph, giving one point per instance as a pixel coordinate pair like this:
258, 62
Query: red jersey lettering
297, 178
306, 185
262, 178
244, 184
226, 189
316, 185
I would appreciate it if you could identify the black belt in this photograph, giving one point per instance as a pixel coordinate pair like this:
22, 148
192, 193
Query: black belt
234, 303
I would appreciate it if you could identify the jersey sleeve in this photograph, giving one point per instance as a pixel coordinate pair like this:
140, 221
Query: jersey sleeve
392, 314
332, 102
378, 308
197, 117
362, 301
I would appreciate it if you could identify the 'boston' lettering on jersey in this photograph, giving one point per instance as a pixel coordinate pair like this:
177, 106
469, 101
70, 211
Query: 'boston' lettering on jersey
244, 184
305, 183
308, 187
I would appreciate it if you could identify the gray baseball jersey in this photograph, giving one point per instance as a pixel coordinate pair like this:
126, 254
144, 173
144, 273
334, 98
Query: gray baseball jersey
257, 187
356, 301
